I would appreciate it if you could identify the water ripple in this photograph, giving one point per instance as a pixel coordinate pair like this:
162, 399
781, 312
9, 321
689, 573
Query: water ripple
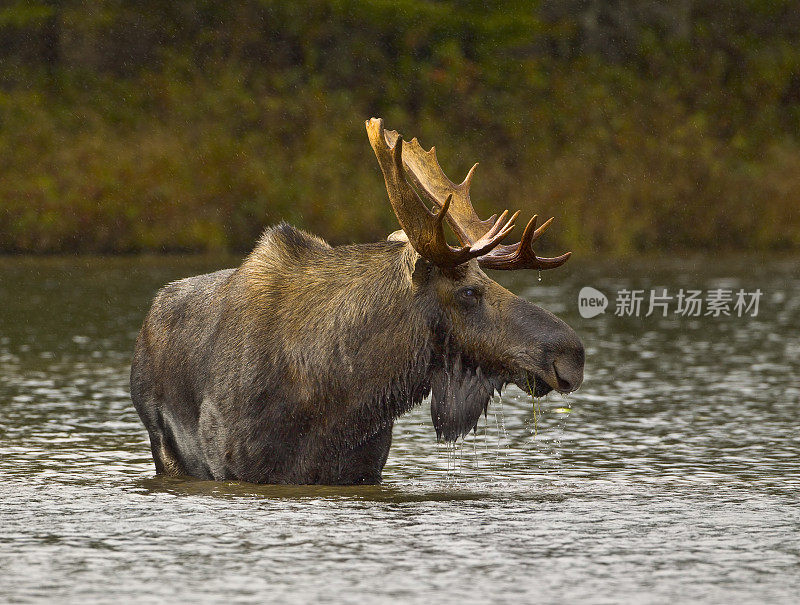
673, 473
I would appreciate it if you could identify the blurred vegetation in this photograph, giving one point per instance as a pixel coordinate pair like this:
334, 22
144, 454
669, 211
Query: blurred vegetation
191, 125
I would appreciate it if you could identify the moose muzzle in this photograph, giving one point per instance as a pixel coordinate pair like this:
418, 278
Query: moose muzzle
553, 353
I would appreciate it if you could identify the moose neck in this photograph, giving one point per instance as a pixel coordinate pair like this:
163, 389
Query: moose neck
386, 339
358, 349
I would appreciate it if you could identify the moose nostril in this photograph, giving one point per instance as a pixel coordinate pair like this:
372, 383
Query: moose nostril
569, 373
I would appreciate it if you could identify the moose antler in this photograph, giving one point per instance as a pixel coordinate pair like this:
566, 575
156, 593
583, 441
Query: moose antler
426, 174
424, 228
424, 171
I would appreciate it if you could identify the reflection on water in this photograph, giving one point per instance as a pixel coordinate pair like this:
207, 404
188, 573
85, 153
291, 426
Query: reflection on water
675, 475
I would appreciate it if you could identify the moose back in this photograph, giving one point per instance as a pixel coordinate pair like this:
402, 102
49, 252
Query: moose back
293, 367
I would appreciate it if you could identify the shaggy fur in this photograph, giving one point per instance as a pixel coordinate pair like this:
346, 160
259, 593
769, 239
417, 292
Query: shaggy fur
293, 367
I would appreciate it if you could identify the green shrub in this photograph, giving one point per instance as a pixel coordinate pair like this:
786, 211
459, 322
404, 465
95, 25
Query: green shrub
189, 126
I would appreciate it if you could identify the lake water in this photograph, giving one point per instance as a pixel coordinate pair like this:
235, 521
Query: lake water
673, 474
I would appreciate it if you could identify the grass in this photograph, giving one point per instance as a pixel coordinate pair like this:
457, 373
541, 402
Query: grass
536, 414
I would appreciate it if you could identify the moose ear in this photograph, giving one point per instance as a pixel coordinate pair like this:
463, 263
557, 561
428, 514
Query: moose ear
459, 395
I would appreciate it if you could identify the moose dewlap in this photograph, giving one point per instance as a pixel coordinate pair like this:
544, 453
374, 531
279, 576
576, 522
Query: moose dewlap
293, 367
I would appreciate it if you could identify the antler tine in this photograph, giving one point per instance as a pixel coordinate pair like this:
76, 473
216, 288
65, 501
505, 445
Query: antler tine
521, 254
500, 228
425, 229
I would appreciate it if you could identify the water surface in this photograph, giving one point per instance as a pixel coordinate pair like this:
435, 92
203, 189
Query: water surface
672, 474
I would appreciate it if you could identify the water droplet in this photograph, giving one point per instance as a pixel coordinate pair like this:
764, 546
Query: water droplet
540, 275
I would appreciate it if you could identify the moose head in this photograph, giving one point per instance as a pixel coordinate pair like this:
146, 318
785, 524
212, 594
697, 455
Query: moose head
485, 337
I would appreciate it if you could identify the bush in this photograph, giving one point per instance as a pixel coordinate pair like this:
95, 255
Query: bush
191, 125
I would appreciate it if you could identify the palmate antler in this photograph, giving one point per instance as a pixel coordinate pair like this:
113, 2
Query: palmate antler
424, 228
453, 201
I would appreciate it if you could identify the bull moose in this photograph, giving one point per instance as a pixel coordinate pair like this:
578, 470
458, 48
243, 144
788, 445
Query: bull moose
293, 367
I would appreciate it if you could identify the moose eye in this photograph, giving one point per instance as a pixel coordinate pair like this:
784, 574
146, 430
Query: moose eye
469, 296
